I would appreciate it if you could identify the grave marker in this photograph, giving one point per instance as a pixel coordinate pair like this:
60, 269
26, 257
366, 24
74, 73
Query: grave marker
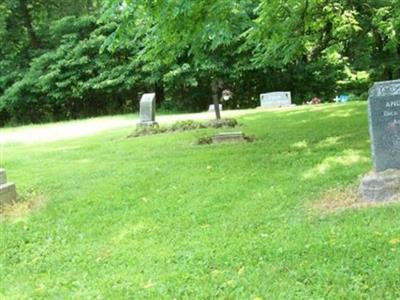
8, 193
148, 109
384, 120
276, 99
384, 127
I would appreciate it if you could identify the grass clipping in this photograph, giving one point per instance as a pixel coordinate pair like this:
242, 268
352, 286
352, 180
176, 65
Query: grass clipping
338, 200
22, 208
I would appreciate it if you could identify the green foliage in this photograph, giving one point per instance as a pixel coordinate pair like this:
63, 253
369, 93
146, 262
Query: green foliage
71, 59
75, 78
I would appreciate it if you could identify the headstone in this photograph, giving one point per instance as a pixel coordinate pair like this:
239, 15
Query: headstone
384, 120
3, 176
8, 193
148, 109
384, 125
276, 99
228, 137
212, 108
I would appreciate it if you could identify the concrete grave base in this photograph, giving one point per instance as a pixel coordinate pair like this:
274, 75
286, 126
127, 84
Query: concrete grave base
228, 137
147, 124
381, 186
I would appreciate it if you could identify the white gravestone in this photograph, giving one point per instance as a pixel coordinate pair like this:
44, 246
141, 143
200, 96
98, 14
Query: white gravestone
212, 108
148, 109
276, 99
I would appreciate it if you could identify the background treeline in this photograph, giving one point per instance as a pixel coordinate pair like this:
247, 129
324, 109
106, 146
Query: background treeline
75, 58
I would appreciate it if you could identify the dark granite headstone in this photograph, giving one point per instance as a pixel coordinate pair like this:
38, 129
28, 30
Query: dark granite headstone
384, 120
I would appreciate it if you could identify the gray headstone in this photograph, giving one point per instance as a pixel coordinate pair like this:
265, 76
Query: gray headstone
384, 120
3, 176
148, 109
8, 193
276, 99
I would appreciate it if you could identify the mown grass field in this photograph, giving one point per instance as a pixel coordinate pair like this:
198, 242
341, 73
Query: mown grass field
159, 217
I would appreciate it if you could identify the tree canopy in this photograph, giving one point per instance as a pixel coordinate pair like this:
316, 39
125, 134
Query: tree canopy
69, 59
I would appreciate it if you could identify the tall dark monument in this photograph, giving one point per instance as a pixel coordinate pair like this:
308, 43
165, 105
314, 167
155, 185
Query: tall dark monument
384, 123
384, 120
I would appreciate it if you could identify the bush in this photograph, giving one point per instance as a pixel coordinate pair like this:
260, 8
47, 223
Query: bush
183, 126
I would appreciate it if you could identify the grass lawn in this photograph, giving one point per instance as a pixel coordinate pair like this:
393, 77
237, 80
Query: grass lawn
158, 217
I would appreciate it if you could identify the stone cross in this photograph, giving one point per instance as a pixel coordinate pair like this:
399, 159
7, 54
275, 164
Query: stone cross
276, 99
384, 124
8, 192
148, 109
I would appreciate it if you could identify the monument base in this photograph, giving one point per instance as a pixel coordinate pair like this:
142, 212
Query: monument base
381, 186
147, 124
8, 193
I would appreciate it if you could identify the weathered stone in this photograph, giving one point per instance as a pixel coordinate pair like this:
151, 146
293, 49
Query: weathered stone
228, 137
276, 99
8, 193
212, 108
381, 186
148, 110
3, 176
384, 120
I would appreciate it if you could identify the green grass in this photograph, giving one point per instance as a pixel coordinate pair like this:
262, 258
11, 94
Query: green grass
159, 217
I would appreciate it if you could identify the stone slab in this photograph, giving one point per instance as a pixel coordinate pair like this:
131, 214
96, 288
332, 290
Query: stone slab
228, 137
276, 99
8, 193
381, 186
3, 176
148, 109
384, 120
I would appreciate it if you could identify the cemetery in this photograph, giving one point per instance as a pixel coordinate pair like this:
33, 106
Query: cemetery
200, 150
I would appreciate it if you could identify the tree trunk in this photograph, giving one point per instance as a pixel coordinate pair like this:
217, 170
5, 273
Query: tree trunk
89, 6
214, 89
27, 19
160, 94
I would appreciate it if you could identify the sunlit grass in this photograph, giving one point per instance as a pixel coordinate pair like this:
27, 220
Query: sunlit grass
159, 217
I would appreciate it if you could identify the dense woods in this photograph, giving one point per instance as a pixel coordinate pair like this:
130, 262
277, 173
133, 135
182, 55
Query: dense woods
76, 58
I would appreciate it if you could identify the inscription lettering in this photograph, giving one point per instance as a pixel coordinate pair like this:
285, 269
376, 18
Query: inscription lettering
390, 113
393, 103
